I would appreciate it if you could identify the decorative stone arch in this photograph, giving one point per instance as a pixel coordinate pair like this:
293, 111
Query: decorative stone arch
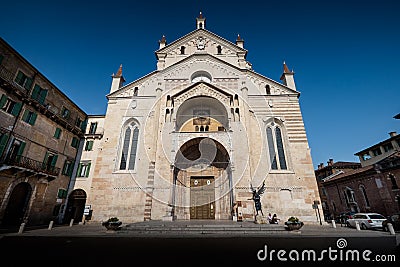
17, 205
202, 95
202, 111
198, 159
75, 206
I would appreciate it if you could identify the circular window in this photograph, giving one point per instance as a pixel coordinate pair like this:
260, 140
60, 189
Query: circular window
201, 76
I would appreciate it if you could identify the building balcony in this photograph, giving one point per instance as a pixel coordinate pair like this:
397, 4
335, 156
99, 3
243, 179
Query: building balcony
47, 108
98, 134
31, 167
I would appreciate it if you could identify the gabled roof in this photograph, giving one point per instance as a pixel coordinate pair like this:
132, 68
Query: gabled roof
191, 57
143, 78
194, 34
350, 172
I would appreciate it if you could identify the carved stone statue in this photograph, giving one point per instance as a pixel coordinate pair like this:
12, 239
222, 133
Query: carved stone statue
257, 192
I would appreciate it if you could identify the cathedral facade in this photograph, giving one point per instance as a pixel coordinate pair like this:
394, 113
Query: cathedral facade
192, 139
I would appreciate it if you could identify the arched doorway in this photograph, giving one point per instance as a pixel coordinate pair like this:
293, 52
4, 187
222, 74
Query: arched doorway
202, 181
75, 206
17, 204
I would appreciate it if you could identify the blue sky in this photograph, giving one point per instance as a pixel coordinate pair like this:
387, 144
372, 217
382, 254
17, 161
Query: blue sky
345, 54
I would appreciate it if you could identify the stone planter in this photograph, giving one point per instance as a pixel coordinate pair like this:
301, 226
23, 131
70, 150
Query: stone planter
112, 226
293, 225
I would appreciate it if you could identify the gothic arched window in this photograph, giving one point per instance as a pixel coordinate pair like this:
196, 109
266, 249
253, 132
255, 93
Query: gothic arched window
129, 147
364, 193
276, 148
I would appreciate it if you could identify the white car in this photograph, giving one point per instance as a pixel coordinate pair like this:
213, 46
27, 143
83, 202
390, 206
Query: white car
366, 220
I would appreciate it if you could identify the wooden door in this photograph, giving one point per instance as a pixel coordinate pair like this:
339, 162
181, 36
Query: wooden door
202, 195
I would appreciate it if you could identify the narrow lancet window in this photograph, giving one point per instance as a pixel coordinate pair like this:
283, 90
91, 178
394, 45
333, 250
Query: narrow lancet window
281, 151
129, 148
271, 149
125, 149
132, 156
276, 148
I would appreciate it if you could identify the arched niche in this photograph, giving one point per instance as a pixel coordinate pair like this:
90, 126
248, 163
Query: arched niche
201, 111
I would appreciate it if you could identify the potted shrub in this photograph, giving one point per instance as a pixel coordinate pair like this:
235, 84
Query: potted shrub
112, 223
293, 223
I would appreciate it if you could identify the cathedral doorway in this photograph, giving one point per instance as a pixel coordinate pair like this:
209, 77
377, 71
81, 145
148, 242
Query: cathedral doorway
202, 194
202, 181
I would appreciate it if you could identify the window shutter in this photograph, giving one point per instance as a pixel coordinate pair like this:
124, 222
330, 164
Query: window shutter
19, 77
74, 142
33, 119
28, 83
64, 169
46, 157
70, 168
87, 170
21, 148
16, 108
42, 96
3, 100
94, 128
78, 174
57, 133
54, 161
59, 193
25, 116
3, 142
83, 125
90, 145
35, 92
62, 193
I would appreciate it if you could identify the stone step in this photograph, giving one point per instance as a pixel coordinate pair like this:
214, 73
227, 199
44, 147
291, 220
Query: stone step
212, 227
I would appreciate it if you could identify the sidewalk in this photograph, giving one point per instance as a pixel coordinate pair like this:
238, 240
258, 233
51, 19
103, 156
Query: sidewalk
198, 228
183, 242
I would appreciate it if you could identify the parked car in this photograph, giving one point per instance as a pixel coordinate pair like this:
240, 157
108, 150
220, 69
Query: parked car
343, 216
394, 220
367, 220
